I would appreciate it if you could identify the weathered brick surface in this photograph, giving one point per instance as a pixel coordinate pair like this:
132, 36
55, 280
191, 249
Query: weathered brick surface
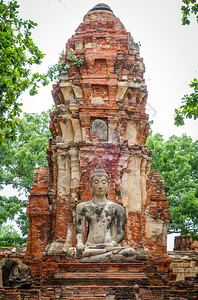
138, 280
184, 264
185, 243
38, 212
182, 291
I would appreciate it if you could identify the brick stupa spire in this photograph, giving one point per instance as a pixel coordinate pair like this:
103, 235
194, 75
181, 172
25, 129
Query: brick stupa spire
99, 115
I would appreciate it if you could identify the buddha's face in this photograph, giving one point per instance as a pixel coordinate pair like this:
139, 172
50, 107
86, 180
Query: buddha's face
99, 186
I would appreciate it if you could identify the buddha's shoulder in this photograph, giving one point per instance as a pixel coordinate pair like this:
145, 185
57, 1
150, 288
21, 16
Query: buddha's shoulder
116, 206
84, 205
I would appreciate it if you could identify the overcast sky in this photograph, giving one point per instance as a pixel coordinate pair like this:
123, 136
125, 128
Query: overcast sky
169, 50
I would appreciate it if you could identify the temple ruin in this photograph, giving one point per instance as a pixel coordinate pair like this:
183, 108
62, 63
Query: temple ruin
99, 117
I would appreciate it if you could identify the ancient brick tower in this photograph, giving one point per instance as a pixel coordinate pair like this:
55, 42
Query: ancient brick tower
99, 115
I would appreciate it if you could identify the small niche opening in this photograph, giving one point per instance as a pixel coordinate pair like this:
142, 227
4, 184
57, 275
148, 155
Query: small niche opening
99, 130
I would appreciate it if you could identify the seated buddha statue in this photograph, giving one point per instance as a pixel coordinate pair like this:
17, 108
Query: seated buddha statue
106, 225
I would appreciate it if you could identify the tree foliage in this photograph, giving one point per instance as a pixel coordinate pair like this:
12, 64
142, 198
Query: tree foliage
10, 237
189, 108
177, 161
18, 53
9, 209
64, 64
18, 159
188, 8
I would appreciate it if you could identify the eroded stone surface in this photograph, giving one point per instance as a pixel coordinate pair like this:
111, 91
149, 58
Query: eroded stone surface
99, 129
15, 274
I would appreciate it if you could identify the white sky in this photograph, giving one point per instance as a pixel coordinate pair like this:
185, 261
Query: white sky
169, 49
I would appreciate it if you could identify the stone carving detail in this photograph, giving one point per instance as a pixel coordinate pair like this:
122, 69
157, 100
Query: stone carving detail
131, 133
122, 89
63, 174
15, 274
99, 129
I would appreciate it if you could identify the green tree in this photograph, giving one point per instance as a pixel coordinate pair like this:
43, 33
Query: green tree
10, 237
18, 53
18, 159
189, 107
188, 8
177, 161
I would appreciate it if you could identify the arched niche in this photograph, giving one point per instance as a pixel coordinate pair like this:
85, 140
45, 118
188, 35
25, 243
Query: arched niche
99, 129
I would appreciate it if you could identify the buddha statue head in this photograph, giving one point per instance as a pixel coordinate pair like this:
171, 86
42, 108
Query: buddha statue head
99, 182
